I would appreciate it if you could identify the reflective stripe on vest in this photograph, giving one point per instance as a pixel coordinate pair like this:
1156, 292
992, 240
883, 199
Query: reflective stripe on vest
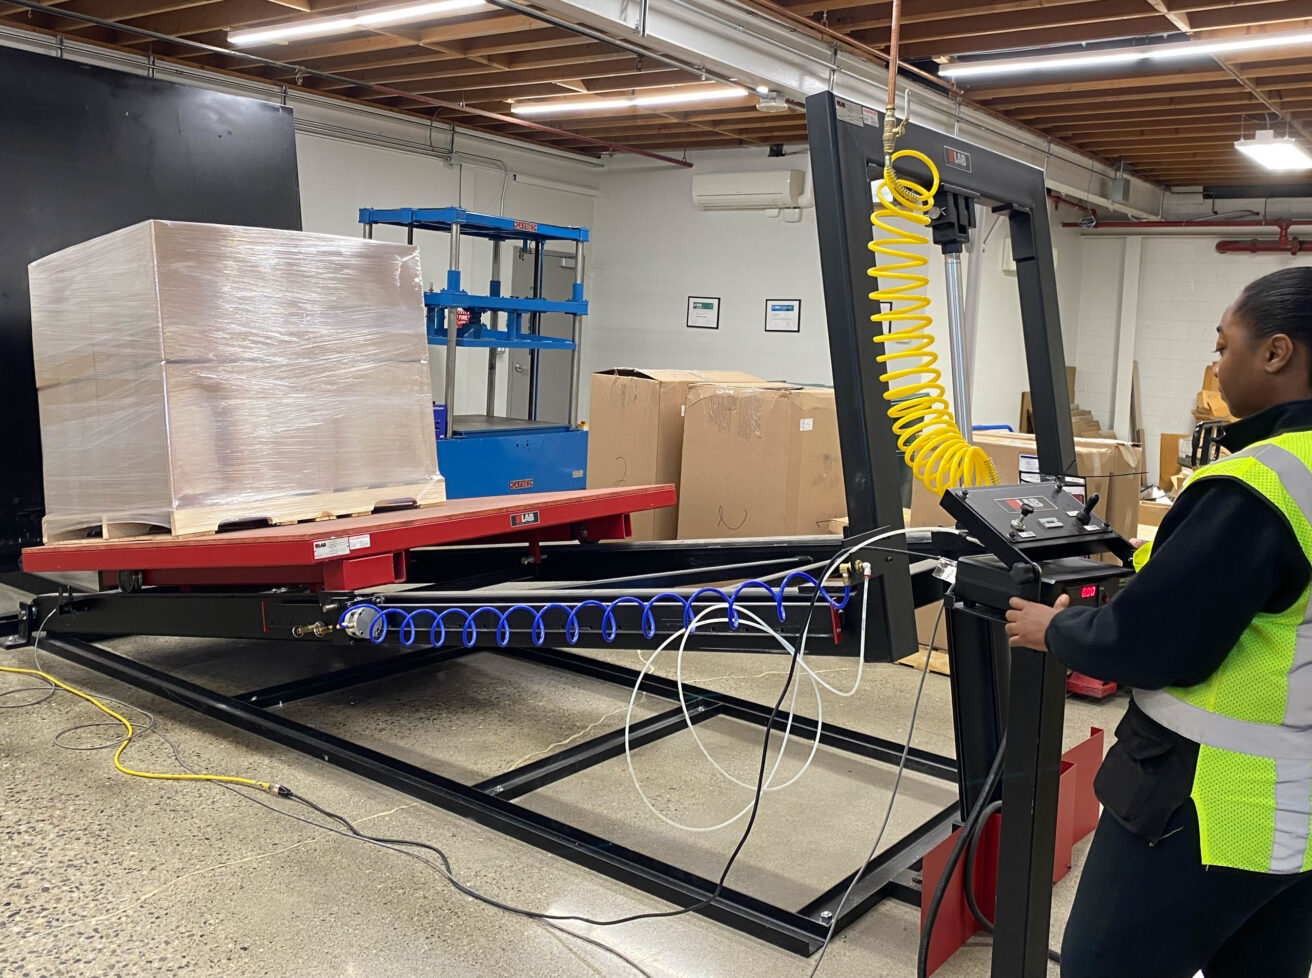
1287, 745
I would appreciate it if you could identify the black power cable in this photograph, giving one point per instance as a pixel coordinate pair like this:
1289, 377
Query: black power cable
954, 857
968, 876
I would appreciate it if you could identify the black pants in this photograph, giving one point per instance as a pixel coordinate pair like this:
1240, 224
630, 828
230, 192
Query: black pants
1146, 911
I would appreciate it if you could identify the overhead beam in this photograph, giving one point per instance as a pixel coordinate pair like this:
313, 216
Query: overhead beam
1000, 41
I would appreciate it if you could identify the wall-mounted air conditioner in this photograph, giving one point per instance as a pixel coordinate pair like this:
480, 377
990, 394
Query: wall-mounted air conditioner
763, 190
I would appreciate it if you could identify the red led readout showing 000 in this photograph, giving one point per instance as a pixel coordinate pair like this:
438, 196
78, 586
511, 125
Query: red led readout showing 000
1089, 591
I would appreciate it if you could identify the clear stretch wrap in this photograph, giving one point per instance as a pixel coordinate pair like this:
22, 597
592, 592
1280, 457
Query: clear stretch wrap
229, 373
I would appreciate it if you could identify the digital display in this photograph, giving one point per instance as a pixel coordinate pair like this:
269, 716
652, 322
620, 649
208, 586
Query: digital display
1089, 591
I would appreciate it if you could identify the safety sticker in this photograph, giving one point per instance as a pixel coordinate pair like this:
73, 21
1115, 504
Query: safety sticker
336, 547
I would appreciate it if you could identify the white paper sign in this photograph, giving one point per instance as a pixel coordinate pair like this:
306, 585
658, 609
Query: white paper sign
807, 424
1029, 472
358, 542
783, 315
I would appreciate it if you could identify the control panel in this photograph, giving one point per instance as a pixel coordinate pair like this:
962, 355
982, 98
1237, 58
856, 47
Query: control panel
1032, 522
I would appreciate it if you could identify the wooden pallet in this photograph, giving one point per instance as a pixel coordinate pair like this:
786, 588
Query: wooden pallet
206, 520
938, 661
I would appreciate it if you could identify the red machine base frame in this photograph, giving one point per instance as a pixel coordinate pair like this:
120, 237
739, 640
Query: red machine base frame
353, 553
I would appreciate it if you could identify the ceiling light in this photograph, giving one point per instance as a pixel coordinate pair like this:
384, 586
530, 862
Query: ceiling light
1095, 59
361, 20
762, 89
637, 102
1282, 153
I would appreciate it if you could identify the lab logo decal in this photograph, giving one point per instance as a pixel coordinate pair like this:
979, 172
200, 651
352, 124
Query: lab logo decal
523, 519
957, 158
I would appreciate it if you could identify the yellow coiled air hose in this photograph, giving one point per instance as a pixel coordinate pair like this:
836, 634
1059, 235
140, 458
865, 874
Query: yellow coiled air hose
926, 431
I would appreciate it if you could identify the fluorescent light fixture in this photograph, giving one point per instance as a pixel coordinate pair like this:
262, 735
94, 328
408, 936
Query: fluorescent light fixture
1095, 59
362, 20
636, 102
1275, 153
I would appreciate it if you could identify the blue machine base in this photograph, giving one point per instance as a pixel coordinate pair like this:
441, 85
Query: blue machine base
496, 464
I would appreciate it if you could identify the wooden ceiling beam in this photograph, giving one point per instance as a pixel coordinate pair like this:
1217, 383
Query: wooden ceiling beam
638, 118
497, 80
223, 15
503, 92
415, 55
459, 67
1132, 131
1020, 37
1228, 108
328, 55
922, 10
115, 10
1034, 19
1147, 78
1249, 16
1147, 99
624, 132
677, 141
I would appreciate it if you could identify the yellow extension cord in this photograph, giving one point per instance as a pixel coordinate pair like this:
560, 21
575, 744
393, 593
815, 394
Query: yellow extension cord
926, 431
127, 726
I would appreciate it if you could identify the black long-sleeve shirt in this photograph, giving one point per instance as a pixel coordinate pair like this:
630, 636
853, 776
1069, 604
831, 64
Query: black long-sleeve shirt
1222, 554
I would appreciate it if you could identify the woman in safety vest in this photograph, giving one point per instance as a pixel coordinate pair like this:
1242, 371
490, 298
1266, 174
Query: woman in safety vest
1203, 856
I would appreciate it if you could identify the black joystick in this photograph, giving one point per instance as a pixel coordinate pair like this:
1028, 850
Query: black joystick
1084, 515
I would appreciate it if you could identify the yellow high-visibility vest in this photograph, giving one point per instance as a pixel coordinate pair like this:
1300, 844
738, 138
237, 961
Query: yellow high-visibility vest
1253, 715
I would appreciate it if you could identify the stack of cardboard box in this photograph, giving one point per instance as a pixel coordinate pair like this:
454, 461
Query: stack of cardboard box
749, 458
635, 433
1083, 423
1211, 406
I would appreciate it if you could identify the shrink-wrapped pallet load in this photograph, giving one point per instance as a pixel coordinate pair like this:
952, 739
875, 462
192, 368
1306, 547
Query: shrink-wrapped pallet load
196, 375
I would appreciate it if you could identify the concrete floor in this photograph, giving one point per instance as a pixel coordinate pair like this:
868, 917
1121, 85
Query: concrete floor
106, 875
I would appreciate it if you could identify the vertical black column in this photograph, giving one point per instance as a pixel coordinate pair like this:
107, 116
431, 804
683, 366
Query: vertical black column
1031, 247
1031, 771
841, 183
979, 677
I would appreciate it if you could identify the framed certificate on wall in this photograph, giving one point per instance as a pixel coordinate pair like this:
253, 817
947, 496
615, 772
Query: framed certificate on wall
783, 315
703, 312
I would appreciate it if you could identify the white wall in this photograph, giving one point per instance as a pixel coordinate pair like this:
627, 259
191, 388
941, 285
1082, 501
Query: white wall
340, 176
1184, 286
653, 249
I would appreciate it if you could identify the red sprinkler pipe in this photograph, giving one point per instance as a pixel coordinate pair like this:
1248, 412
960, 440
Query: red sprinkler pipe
1283, 243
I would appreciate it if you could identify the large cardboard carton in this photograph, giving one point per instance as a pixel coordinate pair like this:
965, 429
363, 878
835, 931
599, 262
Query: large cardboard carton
635, 433
1110, 468
759, 460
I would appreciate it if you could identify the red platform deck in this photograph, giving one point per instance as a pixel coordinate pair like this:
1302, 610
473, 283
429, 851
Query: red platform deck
352, 553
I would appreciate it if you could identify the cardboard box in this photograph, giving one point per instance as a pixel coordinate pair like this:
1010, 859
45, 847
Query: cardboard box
1110, 468
1170, 450
635, 433
1150, 513
759, 460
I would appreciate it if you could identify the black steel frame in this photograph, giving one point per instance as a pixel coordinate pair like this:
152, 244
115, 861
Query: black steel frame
491, 801
993, 687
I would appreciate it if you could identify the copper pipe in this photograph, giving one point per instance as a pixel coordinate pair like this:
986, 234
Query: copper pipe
894, 39
820, 30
